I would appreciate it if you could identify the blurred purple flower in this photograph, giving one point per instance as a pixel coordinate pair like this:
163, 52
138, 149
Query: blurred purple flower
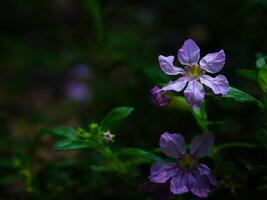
193, 74
78, 91
186, 174
80, 71
159, 97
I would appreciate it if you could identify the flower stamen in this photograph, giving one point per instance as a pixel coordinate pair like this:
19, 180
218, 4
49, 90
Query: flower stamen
195, 72
187, 162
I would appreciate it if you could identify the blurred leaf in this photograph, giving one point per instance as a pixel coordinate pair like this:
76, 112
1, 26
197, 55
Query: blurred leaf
179, 102
65, 163
262, 78
260, 2
94, 7
156, 75
102, 168
67, 144
59, 131
234, 145
241, 96
247, 73
261, 62
6, 163
262, 137
115, 117
139, 153
7, 180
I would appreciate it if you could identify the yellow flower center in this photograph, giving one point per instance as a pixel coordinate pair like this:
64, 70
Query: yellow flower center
195, 71
187, 162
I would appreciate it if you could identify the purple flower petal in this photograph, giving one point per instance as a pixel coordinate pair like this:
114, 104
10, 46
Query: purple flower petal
166, 64
161, 172
78, 91
200, 192
213, 62
219, 84
199, 185
194, 93
178, 183
203, 169
172, 145
189, 53
201, 145
213, 181
177, 85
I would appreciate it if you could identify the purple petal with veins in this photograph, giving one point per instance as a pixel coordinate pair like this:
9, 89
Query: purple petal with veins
166, 64
219, 84
194, 94
213, 62
189, 53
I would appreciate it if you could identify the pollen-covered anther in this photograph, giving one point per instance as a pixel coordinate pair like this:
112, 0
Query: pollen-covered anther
195, 72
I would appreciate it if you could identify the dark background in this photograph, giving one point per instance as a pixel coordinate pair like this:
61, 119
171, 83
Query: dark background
118, 42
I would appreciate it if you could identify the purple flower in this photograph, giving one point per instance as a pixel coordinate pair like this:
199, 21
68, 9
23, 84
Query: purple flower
194, 73
159, 97
186, 174
78, 91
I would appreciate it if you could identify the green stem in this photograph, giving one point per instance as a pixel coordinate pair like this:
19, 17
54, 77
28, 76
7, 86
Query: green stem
201, 117
265, 107
119, 166
28, 179
232, 145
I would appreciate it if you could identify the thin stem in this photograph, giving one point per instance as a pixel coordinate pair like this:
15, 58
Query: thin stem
201, 117
233, 145
110, 155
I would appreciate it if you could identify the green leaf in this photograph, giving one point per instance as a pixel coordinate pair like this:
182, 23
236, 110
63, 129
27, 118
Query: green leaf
67, 144
94, 7
59, 131
261, 62
139, 153
247, 73
115, 117
155, 75
262, 79
179, 102
7, 180
241, 96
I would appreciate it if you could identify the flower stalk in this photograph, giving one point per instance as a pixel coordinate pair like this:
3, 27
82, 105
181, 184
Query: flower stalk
201, 118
